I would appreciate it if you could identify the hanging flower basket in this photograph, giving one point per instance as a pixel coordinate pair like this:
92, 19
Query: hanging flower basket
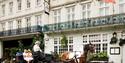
122, 42
113, 40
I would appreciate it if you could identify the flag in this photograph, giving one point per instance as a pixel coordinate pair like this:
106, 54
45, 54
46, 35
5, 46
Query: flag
109, 1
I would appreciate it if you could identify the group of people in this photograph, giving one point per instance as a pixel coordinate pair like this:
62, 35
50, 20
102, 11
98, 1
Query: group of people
28, 55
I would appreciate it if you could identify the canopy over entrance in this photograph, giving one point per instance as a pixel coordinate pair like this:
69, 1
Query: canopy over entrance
14, 43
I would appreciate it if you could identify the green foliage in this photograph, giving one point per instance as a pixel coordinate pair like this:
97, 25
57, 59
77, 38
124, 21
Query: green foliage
20, 45
102, 56
64, 41
13, 52
122, 42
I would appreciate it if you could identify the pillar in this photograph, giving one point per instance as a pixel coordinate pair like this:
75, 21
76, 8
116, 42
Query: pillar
123, 52
1, 49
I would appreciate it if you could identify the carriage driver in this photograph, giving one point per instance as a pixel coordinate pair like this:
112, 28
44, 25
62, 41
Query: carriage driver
37, 52
36, 47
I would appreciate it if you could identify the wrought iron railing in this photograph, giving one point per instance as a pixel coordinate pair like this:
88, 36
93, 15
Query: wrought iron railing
21, 31
83, 23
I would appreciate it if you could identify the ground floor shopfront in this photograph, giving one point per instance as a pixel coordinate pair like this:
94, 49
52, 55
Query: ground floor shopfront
101, 38
78, 38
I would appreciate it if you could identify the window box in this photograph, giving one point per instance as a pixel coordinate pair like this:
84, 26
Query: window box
102, 56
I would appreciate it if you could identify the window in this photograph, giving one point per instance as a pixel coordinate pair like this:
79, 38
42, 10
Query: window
85, 39
121, 6
19, 26
86, 10
3, 10
55, 41
19, 23
104, 46
104, 37
70, 41
57, 16
99, 40
19, 4
11, 7
28, 3
95, 38
38, 2
10, 26
70, 13
38, 20
97, 48
3, 28
104, 9
28, 24
59, 48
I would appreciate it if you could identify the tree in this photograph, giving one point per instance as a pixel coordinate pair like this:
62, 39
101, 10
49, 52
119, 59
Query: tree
64, 41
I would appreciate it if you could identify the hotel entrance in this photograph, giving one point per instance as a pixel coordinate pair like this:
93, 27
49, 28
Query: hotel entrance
12, 47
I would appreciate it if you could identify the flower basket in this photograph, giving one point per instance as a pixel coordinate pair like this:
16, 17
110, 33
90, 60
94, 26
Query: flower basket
122, 42
102, 56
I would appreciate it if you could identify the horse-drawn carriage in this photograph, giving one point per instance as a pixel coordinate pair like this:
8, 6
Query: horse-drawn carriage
70, 57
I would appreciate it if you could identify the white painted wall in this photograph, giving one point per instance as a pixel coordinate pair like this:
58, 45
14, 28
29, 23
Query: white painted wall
78, 44
115, 58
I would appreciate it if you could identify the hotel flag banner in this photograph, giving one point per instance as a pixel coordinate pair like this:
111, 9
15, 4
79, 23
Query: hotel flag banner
108, 1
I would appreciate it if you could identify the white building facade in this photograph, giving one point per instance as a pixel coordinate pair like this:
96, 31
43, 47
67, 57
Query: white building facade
20, 19
82, 21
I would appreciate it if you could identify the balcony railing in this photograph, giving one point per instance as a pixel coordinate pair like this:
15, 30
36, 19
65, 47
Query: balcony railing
83, 23
19, 31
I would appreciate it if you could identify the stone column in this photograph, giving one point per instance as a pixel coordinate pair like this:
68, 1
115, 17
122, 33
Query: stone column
1, 49
123, 54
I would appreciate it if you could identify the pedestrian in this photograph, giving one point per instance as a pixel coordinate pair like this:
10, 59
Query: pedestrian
19, 57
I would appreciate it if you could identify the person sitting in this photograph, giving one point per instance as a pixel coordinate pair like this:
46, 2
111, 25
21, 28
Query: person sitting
37, 52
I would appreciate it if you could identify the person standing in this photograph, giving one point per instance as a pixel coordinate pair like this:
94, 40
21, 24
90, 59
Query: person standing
19, 56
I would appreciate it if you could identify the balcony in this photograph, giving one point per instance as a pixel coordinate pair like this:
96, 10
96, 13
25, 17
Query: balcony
20, 31
118, 19
111, 20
